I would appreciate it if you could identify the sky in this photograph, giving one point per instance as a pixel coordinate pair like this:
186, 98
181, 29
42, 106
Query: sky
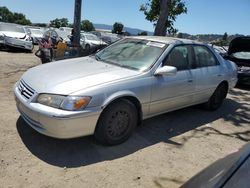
203, 16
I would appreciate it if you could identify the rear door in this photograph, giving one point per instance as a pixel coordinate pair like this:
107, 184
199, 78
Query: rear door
207, 74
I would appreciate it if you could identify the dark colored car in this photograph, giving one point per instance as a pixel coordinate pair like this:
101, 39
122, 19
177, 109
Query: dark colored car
239, 53
232, 171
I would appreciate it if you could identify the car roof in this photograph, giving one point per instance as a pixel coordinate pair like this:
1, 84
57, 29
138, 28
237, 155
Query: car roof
167, 40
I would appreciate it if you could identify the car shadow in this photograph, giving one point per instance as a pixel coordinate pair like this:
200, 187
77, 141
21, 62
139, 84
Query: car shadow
85, 151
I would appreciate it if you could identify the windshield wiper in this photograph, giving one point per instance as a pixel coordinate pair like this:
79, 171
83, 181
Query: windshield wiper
98, 58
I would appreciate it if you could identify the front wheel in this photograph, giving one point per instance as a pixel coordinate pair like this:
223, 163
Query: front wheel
116, 123
87, 48
217, 98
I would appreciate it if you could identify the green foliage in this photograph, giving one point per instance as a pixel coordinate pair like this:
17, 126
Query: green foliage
225, 36
39, 24
87, 26
143, 33
7, 16
117, 28
59, 22
180, 35
151, 10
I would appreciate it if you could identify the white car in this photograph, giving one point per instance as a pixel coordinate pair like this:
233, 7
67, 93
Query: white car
13, 35
36, 35
91, 42
108, 94
68, 30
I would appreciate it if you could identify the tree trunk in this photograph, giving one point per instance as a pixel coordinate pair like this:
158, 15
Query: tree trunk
161, 27
77, 22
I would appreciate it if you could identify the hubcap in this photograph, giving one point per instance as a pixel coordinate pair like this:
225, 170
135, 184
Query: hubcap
118, 124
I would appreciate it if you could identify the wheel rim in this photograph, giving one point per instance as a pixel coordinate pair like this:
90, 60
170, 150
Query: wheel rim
118, 124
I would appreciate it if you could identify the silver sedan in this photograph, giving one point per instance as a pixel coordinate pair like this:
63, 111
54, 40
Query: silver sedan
111, 92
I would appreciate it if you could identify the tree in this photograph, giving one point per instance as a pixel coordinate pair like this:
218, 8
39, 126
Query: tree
86, 25
20, 19
62, 22
225, 36
180, 35
163, 13
143, 33
39, 24
7, 16
117, 28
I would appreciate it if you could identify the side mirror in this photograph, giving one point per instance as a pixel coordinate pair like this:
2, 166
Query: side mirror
166, 70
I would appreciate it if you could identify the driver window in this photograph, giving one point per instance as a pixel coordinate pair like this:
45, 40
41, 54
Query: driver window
178, 58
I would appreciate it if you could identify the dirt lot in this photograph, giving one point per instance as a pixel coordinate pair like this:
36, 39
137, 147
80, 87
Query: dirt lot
165, 152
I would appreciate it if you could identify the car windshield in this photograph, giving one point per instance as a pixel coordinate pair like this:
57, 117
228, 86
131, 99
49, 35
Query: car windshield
242, 55
132, 53
91, 37
11, 27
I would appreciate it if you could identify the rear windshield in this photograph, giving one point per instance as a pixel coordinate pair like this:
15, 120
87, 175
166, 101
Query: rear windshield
10, 27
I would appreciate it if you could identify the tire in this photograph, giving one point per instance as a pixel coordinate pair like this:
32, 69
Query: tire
116, 123
217, 98
87, 48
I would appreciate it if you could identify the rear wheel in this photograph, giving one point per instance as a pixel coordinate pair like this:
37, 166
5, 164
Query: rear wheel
116, 123
217, 98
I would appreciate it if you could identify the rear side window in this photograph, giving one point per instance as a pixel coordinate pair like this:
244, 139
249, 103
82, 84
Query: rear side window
178, 58
204, 57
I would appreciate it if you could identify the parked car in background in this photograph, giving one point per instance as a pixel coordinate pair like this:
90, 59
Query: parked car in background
239, 52
52, 34
220, 50
91, 42
56, 35
109, 93
36, 35
66, 29
109, 38
14, 36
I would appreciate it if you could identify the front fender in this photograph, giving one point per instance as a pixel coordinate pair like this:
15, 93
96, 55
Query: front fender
118, 95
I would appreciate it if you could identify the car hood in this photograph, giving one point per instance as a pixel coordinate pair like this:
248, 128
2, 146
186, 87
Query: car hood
239, 51
68, 76
13, 34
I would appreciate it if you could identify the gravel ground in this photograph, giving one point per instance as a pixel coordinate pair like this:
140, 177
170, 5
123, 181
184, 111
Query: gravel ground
165, 152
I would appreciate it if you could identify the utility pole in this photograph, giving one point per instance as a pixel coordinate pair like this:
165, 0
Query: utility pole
77, 22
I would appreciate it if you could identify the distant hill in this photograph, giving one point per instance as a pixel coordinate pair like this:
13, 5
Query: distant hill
208, 37
132, 31
201, 37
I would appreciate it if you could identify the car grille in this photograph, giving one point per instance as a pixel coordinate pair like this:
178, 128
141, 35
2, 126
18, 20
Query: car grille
25, 90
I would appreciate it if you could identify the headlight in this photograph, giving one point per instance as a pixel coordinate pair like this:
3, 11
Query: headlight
71, 103
75, 103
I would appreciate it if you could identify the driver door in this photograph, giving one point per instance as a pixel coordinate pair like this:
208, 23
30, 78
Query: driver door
175, 91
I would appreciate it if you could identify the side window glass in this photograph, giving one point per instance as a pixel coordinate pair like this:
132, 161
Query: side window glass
204, 57
178, 58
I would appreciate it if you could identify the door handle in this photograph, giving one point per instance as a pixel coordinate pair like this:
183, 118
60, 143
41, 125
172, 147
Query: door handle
190, 80
219, 75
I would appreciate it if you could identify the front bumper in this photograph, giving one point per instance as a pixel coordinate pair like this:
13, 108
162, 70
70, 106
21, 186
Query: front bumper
55, 122
18, 43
